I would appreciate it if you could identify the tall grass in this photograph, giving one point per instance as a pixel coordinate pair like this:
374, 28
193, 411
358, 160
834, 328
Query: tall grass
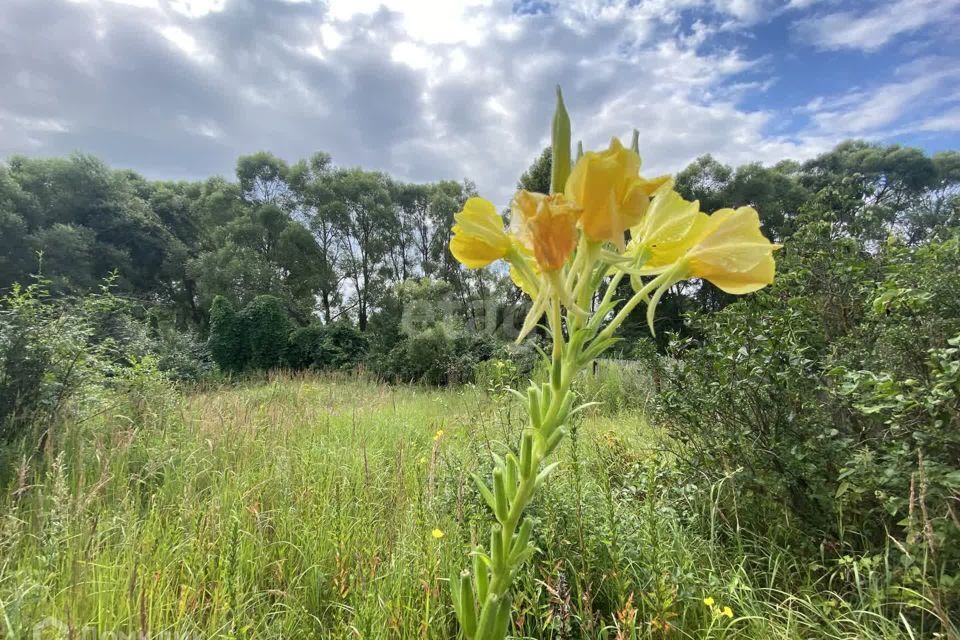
303, 507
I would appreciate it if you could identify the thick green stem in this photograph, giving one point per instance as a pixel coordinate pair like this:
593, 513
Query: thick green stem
515, 481
504, 553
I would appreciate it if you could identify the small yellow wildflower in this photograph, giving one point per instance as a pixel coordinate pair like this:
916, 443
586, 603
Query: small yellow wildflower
437, 533
478, 236
608, 187
545, 225
727, 611
438, 435
709, 601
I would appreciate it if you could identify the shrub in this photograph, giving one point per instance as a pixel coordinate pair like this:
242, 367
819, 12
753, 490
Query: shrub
443, 355
346, 345
59, 353
266, 327
42, 358
823, 407
182, 357
334, 346
307, 347
226, 342
424, 357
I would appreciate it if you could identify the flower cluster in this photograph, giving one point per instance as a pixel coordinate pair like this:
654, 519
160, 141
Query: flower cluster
556, 239
716, 609
569, 250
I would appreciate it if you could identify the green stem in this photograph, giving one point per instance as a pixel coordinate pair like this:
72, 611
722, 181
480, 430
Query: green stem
637, 298
502, 573
544, 433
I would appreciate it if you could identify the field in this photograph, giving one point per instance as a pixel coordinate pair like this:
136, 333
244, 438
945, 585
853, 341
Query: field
313, 507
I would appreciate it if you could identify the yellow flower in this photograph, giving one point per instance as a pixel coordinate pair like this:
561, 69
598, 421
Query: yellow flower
478, 236
438, 435
529, 288
608, 187
727, 611
437, 534
545, 225
727, 249
709, 601
732, 253
670, 227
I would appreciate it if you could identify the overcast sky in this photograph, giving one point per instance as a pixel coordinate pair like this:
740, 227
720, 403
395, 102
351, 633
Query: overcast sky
459, 88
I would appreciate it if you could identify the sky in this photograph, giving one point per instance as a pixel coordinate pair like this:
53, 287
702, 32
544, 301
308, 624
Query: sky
454, 89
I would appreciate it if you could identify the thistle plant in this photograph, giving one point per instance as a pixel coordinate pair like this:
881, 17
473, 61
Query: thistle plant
569, 250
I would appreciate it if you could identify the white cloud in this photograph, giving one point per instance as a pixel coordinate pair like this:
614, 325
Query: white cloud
925, 85
197, 8
186, 43
949, 121
423, 90
200, 127
875, 28
412, 55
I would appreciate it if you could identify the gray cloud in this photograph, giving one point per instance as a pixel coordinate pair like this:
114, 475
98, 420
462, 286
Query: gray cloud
423, 94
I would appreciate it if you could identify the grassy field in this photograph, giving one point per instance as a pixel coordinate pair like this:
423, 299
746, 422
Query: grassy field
306, 508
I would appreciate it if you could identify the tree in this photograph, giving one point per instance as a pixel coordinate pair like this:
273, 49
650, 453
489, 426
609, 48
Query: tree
537, 176
263, 179
368, 225
312, 182
872, 186
414, 203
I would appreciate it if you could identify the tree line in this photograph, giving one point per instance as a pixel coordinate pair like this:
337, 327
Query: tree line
335, 243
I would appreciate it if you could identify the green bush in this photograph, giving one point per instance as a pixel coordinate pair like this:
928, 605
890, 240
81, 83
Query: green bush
307, 348
182, 357
443, 355
60, 353
424, 357
227, 343
44, 358
335, 346
807, 408
346, 344
266, 327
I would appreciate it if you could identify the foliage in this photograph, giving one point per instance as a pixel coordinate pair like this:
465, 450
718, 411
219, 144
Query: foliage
60, 354
265, 330
227, 342
317, 346
823, 406
44, 359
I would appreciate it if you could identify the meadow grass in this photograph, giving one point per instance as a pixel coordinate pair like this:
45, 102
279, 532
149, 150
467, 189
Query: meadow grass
304, 507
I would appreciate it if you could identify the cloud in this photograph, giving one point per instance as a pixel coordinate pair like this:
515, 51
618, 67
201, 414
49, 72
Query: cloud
870, 30
913, 102
425, 91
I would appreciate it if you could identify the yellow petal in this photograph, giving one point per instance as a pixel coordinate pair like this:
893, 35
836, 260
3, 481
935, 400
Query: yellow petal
608, 188
521, 282
669, 229
732, 253
478, 235
547, 225
472, 253
741, 282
